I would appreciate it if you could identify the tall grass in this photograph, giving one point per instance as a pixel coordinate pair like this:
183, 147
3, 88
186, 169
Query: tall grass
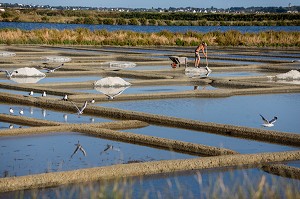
206, 184
82, 36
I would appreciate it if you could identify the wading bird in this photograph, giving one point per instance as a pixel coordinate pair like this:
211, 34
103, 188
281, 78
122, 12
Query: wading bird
21, 112
11, 111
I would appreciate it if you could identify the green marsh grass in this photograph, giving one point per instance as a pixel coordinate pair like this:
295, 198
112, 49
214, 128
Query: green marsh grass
82, 36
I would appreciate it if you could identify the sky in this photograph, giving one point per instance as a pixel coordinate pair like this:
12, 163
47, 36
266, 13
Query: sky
160, 3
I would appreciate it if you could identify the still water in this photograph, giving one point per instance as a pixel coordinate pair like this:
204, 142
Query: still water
26, 155
236, 110
205, 29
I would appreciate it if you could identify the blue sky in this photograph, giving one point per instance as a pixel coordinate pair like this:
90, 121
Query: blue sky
159, 3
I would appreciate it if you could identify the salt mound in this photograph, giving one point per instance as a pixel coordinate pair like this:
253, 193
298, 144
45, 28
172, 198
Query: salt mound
293, 74
56, 59
111, 82
7, 54
27, 72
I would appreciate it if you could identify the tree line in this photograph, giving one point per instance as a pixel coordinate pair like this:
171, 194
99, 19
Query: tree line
149, 18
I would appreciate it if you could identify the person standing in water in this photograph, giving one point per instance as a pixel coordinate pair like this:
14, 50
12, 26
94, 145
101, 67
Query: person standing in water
199, 48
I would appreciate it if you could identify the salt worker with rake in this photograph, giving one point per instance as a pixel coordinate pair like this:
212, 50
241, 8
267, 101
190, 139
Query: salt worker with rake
199, 48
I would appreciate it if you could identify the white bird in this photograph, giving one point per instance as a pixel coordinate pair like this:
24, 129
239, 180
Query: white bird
268, 123
30, 93
65, 98
11, 126
92, 120
80, 111
65, 117
44, 94
11, 111
51, 70
8, 74
93, 101
21, 112
44, 112
31, 110
78, 146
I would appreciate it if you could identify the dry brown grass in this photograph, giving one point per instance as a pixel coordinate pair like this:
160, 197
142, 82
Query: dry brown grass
83, 36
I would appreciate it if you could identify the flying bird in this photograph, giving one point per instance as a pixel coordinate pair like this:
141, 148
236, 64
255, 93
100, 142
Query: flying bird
8, 74
51, 70
80, 111
268, 123
78, 146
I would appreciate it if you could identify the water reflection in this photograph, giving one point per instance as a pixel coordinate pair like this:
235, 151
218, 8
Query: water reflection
49, 153
236, 110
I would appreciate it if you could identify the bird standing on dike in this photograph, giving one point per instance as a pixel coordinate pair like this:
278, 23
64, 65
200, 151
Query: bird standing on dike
65, 98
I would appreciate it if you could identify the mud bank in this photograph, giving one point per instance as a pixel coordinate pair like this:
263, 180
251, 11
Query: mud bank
222, 129
87, 64
140, 169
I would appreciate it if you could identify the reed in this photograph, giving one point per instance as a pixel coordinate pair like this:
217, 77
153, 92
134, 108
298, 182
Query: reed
82, 36
201, 184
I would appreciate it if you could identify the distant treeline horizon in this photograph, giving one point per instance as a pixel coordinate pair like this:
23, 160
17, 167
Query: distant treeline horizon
149, 18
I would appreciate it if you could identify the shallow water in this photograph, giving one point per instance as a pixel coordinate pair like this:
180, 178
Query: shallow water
25, 155
51, 115
60, 79
236, 110
192, 184
150, 89
236, 74
243, 146
154, 67
5, 126
26, 93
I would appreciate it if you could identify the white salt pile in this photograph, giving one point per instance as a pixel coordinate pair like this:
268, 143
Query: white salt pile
111, 82
293, 74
